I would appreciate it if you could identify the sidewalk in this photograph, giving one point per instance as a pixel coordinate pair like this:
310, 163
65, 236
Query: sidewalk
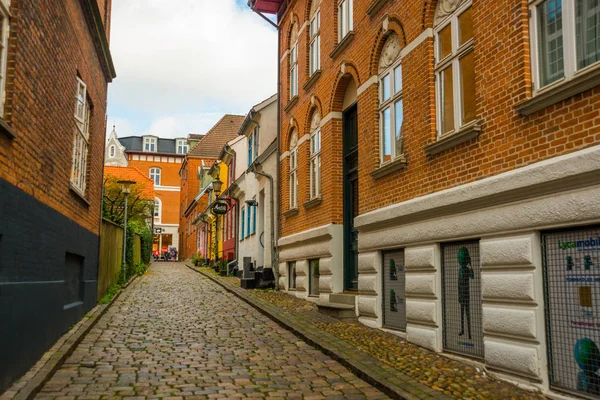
396, 367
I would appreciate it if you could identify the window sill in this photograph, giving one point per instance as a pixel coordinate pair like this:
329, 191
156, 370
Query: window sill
311, 81
466, 133
291, 104
375, 6
291, 213
583, 81
342, 45
396, 165
6, 129
313, 203
79, 195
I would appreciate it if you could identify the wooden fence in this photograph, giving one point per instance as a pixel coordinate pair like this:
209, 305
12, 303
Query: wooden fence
111, 255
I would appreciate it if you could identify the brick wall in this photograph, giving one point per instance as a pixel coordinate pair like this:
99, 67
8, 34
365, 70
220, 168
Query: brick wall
508, 140
50, 46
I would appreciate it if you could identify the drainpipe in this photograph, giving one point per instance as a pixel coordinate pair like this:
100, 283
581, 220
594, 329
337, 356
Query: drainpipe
254, 168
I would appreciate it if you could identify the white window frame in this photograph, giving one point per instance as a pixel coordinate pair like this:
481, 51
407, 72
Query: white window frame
155, 173
458, 52
5, 34
112, 151
157, 204
569, 28
150, 144
345, 18
183, 145
315, 163
391, 104
293, 175
81, 139
314, 63
294, 70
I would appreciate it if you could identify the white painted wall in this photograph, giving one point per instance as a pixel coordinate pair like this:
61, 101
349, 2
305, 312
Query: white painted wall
120, 158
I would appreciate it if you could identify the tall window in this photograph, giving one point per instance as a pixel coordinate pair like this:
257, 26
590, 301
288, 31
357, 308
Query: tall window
345, 18
4, 33
391, 115
293, 171
292, 275
150, 144
248, 221
455, 67
315, 42
254, 219
243, 222
315, 156
182, 146
566, 38
250, 150
81, 140
111, 152
294, 62
157, 209
155, 176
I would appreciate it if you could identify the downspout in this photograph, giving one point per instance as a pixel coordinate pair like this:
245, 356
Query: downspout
272, 201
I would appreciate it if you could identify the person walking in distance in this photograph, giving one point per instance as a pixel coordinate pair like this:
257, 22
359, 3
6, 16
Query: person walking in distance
465, 274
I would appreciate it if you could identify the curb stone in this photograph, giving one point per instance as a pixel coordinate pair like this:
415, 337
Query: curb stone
379, 375
58, 357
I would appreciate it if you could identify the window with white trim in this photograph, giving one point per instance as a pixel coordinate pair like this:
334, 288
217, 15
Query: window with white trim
565, 38
293, 173
294, 62
315, 43
242, 224
182, 146
4, 34
155, 175
111, 151
315, 156
149, 144
345, 18
81, 139
454, 68
391, 114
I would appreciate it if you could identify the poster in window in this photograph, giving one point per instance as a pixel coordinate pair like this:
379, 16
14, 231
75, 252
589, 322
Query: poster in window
572, 282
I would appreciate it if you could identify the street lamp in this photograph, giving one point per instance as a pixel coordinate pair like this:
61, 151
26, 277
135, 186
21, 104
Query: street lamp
217, 186
126, 190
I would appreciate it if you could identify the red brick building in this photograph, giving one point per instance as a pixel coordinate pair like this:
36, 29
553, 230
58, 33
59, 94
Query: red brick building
55, 67
433, 145
195, 181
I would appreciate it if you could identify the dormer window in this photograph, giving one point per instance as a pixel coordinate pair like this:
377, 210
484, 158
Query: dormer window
182, 146
111, 152
150, 144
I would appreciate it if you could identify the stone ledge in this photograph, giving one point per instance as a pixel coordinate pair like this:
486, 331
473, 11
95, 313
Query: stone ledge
313, 203
7, 130
381, 376
468, 132
312, 80
291, 104
399, 163
291, 213
375, 6
342, 45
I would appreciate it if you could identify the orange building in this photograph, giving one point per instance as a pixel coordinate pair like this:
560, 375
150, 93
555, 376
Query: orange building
160, 160
195, 185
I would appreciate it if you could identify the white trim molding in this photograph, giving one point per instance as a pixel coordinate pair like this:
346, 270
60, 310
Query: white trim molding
167, 188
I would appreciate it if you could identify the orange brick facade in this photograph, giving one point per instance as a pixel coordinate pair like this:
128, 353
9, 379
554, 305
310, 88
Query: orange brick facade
508, 140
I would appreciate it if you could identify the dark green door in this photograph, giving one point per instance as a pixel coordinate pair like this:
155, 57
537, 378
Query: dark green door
350, 143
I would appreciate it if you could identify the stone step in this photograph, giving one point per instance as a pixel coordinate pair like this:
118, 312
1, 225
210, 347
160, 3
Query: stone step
343, 312
342, 298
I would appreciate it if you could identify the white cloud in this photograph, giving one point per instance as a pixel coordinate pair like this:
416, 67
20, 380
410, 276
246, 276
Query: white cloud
182, 65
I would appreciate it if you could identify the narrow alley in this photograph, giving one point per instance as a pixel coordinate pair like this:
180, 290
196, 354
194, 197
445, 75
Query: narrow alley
175, 334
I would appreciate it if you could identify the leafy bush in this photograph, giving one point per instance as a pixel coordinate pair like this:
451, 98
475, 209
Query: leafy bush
112, 292
141, 268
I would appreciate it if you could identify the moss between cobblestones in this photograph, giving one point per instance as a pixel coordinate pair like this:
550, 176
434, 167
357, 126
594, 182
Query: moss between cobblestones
450, 377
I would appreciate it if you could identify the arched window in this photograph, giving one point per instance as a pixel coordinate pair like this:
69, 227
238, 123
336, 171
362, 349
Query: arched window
315, 38
294, 62
455, 66
315, 156
111, 152
155, 176
391, 115
157, 210
293, 170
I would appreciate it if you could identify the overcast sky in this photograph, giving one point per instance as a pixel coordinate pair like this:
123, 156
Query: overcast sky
182, 64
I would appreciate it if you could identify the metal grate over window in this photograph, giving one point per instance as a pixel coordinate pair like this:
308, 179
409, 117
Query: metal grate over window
572, 290
461, 302
394, 299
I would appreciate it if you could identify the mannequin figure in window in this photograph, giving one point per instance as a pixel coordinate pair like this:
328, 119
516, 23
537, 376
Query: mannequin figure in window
465, 274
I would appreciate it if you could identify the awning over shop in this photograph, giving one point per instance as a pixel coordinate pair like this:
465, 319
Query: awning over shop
265, 6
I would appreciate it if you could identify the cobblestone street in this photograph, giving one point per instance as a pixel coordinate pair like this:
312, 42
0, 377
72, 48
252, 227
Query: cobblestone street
175, 334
